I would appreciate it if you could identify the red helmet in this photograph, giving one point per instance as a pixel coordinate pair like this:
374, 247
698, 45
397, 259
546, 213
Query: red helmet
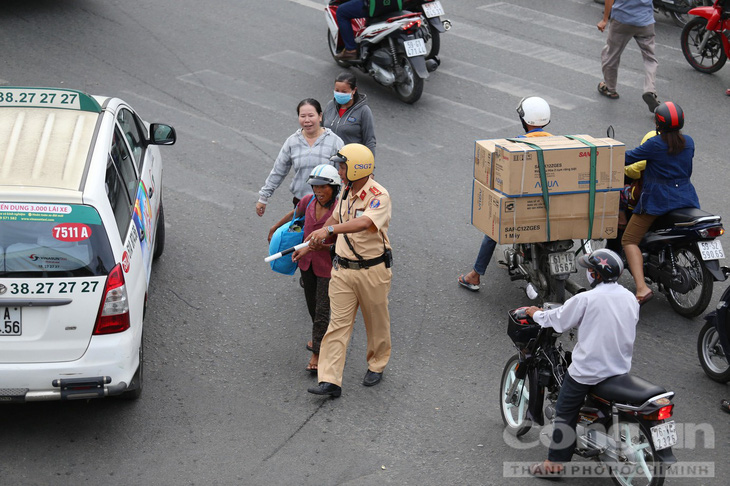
669, 117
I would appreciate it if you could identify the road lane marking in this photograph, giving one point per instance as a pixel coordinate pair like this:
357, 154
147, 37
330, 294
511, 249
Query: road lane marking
466, 114
242, 90
539, 52
310, 4
513, 85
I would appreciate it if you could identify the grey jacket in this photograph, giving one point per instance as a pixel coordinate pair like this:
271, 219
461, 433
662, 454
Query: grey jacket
355, 126
297, 153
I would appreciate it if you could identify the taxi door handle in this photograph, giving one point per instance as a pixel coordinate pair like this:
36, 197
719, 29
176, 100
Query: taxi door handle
151, 193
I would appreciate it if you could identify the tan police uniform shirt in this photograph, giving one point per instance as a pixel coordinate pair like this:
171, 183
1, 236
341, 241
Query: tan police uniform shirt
372, 201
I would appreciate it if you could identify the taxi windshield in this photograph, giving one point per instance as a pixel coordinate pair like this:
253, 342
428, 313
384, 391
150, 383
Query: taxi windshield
47, 240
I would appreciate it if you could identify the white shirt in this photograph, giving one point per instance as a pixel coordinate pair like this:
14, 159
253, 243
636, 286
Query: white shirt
606, 319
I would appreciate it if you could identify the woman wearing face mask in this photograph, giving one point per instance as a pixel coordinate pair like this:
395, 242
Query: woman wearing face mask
307, 148
348, 114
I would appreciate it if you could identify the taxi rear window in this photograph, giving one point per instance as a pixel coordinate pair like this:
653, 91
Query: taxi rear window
47, 240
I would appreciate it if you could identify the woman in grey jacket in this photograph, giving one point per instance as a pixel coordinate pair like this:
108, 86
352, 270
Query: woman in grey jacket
307, 148
348, 114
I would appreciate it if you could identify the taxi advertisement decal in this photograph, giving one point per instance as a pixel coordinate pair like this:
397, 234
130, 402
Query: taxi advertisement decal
61, 213
142, 218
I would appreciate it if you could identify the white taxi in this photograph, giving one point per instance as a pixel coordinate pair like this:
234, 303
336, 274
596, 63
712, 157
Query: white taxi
81, 220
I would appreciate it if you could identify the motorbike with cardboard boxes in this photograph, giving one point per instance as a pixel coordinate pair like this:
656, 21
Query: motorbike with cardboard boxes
538, 196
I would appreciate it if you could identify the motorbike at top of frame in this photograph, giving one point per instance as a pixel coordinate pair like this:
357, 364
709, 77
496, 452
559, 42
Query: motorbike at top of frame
623, 424
399, 49
704, 39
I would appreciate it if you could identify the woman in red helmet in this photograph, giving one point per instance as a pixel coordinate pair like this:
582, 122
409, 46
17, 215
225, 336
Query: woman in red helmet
666, 185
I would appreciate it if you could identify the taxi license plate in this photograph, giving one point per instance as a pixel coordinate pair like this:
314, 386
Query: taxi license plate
11, 324
711, 250
664, 435
415, 47
561, 263
433, 9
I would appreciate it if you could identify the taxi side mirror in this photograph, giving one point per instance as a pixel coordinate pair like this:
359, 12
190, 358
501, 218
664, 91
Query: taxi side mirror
161, 134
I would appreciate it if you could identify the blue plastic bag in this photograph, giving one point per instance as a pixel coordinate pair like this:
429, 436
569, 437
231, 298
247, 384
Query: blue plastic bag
287, 235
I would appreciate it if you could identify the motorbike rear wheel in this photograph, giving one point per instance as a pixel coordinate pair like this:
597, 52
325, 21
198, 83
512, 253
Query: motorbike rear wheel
709, 59
641, 467
333, 49
410, 90
696, 300
514, 411
711, 355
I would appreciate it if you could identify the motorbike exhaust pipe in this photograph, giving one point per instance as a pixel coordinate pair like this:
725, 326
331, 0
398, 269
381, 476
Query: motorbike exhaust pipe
447, 24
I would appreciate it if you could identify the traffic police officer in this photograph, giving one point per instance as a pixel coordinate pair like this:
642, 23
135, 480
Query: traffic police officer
360, 270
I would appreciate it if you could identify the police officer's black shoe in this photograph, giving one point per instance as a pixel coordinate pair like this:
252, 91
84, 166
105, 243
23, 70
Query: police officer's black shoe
325, 388
372, 378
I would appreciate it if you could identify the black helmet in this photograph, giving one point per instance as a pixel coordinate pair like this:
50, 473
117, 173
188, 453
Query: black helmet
669, 117
606, 263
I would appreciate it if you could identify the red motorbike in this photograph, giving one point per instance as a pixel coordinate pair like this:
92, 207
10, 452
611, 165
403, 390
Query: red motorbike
704, 43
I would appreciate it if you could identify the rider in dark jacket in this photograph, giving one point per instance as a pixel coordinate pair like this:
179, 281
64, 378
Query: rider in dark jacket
666, 185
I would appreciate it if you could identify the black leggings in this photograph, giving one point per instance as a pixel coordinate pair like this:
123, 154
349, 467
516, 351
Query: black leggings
316, 291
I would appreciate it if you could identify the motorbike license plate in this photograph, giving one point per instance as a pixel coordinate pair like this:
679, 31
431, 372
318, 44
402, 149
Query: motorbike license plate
433, 9
561, 263
415, 47
711, 250
664, 435
11, 324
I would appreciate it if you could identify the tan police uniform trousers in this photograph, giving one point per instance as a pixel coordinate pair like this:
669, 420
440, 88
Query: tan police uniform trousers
349, 287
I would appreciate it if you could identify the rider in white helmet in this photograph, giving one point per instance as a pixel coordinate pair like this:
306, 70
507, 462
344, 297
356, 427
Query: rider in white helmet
534, 113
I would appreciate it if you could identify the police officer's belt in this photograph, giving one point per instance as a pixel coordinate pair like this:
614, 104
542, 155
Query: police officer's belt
358, 264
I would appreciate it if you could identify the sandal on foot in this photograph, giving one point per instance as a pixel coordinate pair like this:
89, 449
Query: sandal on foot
310, 346
646, 298
725, 405
603, 89
543, 471
467, 285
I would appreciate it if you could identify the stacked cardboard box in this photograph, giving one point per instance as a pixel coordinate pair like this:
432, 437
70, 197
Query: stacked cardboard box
508, 203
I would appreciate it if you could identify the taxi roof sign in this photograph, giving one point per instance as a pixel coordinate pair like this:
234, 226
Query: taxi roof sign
68, 99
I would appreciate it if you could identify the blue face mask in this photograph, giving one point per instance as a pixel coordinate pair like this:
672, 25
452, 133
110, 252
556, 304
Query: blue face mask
342, 98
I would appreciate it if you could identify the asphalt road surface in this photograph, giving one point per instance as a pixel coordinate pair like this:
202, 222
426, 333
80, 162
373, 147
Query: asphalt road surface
225, 398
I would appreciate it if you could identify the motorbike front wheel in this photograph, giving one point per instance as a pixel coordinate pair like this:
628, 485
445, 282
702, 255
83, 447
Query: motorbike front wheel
695, 301
514, 408
708, 59
332, 43
712, 357
639, 465
410, 87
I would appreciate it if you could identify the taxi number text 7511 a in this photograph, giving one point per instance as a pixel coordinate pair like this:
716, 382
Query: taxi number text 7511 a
49, 287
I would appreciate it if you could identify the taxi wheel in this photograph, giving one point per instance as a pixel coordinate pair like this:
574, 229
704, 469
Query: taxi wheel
160, 234
134, 390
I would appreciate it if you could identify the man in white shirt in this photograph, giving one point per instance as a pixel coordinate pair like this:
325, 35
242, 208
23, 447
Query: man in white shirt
606, 319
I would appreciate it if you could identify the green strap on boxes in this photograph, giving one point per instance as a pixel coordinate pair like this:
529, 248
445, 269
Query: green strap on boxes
543, 180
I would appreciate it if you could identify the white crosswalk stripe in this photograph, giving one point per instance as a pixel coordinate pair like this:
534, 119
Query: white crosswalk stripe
513, 85
539, 52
